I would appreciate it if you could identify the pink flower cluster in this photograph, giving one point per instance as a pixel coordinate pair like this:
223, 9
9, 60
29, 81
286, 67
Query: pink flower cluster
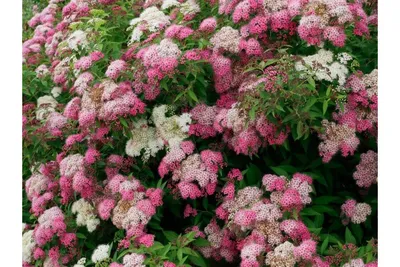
242, 135
355, 212
367, 170
254, 224
361, 109
41, 188
52, 224
195, 175
293, 194
337, 137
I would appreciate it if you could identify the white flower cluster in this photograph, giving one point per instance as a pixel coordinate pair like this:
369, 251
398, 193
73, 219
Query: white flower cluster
56, 91
28, 243
86, 215
100, 253
322, 66
152, 18
344, 57
80, 263
45, 105
168, 130
144, 137
77, 39
171, 129
190, 7
169, 3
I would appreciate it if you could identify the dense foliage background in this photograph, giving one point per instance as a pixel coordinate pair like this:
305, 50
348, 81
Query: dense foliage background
200, 133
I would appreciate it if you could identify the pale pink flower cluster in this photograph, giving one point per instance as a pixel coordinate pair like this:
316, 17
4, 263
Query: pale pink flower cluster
133, 260
226, 39
367, 170
355, 212
40, 190
337, 137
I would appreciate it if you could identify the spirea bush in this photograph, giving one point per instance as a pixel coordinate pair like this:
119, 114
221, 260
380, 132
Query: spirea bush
200, 133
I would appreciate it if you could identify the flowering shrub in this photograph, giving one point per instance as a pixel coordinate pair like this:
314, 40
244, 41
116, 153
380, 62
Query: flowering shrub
196, 133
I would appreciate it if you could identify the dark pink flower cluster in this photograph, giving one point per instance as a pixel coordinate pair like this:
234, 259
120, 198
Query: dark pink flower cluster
195, 175
361, 110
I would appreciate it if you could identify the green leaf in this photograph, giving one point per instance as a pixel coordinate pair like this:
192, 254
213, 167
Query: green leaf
324, 244
180, 254
179, 95
324, 200
198, 261
324, 107
252, 113
311, 81
192, 95
269, 62
80, 236
300, 128
349, 237
279, 171
123, 122
201, 242
189, 251
253, 175
309, 212
328, 91
319, 220
205, 203
309, 104
358, 232
170, 235
325, 209
166, 249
